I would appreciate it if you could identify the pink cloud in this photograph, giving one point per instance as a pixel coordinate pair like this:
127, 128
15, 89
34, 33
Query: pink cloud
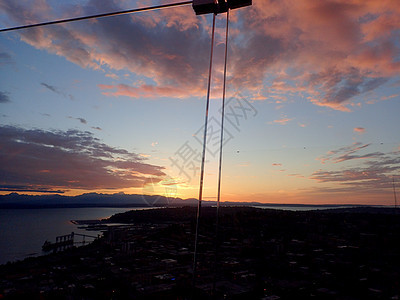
333, 105
359, 130
322, 46
329, 51
113, 76
170, 49
282, 121
381, 26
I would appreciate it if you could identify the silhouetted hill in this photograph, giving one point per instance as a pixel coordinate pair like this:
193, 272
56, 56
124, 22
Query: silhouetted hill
15, 200
247, 215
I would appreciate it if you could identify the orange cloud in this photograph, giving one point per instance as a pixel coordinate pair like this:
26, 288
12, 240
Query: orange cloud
322, 46
336, 106
329, 51
359, 130
282, 121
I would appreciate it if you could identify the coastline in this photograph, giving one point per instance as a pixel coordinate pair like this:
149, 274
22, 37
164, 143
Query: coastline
263, 253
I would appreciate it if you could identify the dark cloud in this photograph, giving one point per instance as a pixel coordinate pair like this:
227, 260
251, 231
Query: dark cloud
82, 120
375, 172
57, 90
252, 58
51, 88
21, 188
347, 153
96, 128
56, 160
4, 97
5, 58
339, 86
360, 178
346, 157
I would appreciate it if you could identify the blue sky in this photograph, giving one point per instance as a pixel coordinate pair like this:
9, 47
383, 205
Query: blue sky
320, 82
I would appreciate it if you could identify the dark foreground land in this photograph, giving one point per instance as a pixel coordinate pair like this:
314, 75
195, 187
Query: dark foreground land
263, 254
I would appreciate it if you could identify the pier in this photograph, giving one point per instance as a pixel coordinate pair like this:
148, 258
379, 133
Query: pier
64, 242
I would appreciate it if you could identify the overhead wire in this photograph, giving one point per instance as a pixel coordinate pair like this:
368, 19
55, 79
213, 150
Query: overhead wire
196, 242
394, 192
110, 14
220, 155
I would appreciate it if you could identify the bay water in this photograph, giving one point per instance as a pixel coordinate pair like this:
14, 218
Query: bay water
23, 231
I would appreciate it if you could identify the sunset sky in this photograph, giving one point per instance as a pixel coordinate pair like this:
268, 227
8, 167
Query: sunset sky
117, 104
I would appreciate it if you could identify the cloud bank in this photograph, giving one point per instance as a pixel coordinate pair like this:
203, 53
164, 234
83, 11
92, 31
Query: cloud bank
375, 172
37, 160
327, 51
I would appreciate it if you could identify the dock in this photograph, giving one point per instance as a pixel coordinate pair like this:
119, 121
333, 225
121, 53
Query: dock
64, 242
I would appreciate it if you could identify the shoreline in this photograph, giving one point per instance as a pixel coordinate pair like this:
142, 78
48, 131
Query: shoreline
288, 254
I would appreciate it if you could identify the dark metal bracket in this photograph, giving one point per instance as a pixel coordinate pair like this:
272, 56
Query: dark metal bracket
202, 7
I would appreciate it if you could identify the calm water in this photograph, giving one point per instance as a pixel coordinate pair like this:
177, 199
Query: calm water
23, 231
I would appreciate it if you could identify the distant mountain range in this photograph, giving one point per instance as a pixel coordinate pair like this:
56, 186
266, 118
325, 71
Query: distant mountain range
15, 200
